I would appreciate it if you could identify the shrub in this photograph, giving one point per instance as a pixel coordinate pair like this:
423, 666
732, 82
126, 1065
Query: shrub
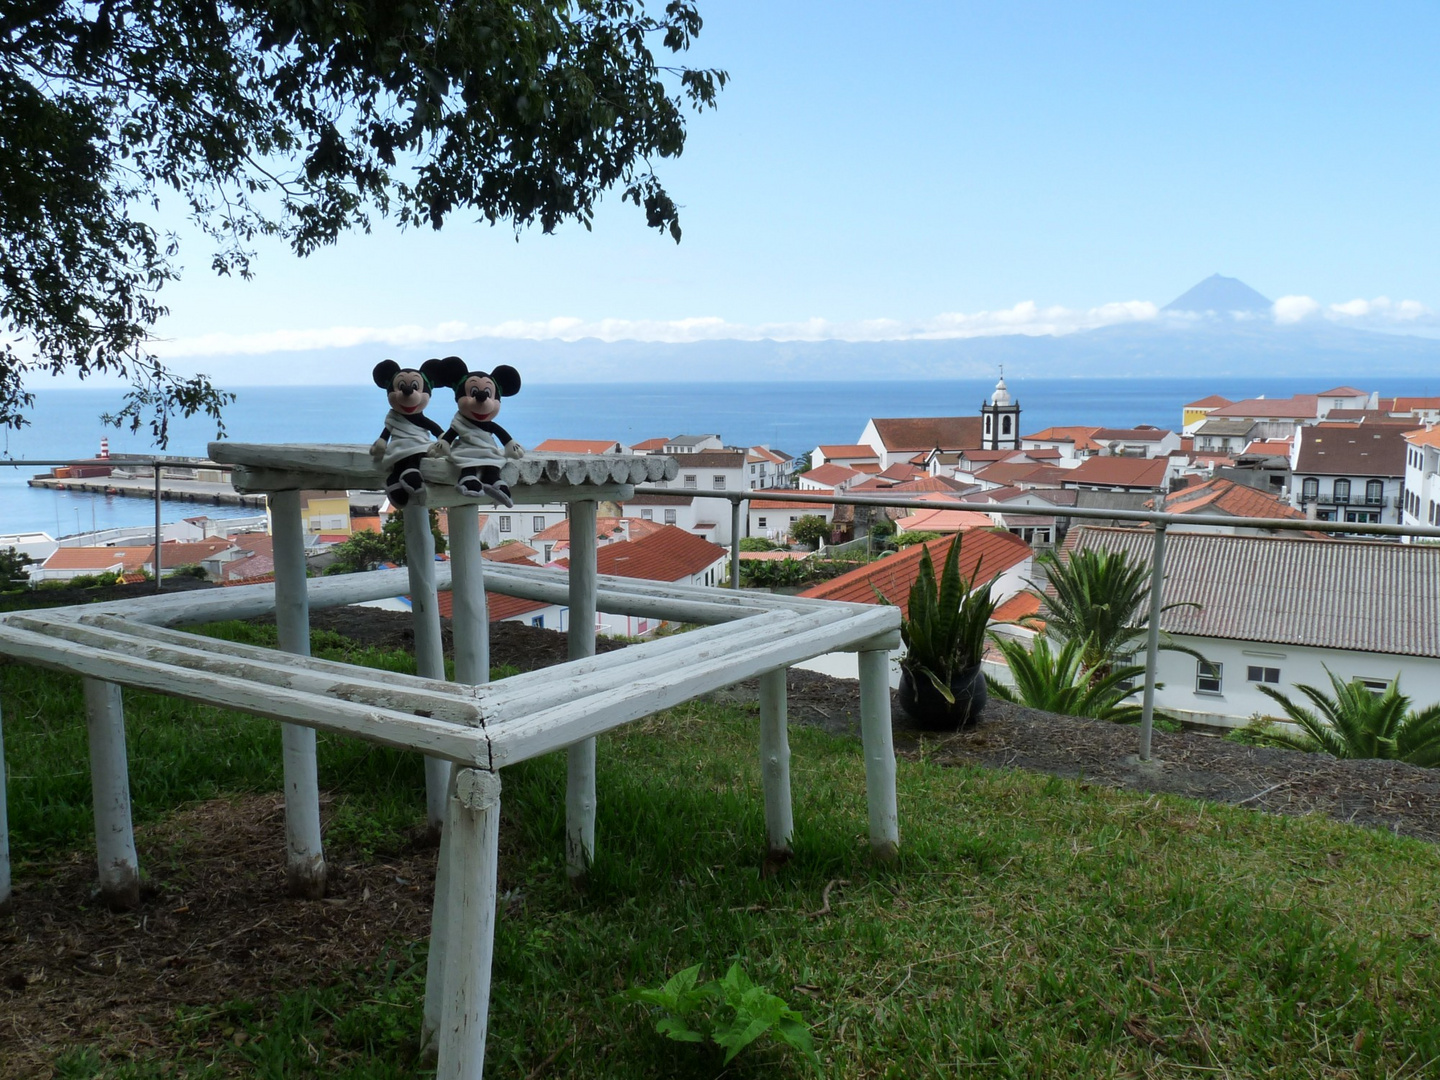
810, 529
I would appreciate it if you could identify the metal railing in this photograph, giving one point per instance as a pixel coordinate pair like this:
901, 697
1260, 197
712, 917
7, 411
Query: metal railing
1158, 519
156, 463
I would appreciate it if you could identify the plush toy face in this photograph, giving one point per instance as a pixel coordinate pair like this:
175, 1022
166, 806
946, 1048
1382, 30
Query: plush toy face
409, 392
478, 398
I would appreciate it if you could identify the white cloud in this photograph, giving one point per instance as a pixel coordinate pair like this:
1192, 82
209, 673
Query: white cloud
1292, 309
1024, 318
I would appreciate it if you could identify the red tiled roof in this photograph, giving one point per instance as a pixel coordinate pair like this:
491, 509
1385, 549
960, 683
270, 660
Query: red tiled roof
984, 552
1214, 401
854, 450
1024, 472
1137, 434
1022, 604
930, 483
498, 607
761, 453
1231, 498
1410, 404
1275, 447
659, 500
1343, 391
510, 551
605, 528
1119, 472
650, 446
1424, 437
901, 471
1299, 407
900, 434
249, 581
669, 554
100, 558
711, 459
178, 554
1082, 437
261, 565
367, 523
830, 475
578, 446
944, 521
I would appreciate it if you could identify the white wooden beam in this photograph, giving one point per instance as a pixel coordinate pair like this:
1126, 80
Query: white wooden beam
472, 836
404, 731
119, 867
879, 747
304, 854
775, 763
580, 756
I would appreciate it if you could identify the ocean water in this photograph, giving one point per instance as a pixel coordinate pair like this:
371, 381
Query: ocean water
790, 416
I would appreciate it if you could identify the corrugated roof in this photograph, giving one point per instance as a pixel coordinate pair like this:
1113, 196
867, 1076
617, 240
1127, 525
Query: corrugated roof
1328, 594
987, 553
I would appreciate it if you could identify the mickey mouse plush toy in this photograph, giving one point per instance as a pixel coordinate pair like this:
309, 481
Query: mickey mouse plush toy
407, 433
474, 441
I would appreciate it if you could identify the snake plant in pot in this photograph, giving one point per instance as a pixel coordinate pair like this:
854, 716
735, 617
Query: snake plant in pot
941, 685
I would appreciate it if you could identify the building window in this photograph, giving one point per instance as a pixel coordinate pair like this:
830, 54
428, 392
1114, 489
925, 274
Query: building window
1374, 492
647, 515
1257, 674
690, 481
538, 620
504, 522
1342, 491
669, 517
549, 550
752, 470
1208, 677
1310, 489
537, 523
760, 523
1005, 425
718, 483
1375, 686
987, 424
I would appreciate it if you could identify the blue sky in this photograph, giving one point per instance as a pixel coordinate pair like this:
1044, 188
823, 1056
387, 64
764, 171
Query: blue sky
934, 169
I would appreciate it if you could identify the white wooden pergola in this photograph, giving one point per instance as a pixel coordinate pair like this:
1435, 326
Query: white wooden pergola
468, 729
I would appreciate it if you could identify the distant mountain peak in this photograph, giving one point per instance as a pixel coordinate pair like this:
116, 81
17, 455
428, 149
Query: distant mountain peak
1218, 293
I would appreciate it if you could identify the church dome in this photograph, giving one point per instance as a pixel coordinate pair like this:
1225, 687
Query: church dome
1001, 396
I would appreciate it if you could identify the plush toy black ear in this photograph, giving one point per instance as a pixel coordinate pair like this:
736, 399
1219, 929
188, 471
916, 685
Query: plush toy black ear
384, 373
448, 372
507, 380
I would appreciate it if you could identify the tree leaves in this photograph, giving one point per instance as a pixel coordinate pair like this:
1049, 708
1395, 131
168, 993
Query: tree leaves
299, 119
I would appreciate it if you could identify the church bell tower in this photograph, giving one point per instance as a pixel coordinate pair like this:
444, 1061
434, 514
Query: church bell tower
1002, 419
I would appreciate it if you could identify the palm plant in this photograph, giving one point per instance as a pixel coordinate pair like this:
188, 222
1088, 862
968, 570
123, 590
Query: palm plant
1354, 722
1059, 682
1100, 599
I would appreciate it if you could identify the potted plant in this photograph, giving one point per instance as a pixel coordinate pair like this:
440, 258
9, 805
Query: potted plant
941, 685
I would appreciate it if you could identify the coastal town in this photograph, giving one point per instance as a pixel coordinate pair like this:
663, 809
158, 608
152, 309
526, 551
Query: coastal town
1342, 455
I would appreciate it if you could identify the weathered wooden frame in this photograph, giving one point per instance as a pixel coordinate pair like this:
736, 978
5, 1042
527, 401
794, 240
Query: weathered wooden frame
467, 729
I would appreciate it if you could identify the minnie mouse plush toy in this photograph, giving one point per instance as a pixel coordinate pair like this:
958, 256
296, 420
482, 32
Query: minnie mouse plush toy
408, 431
474, 441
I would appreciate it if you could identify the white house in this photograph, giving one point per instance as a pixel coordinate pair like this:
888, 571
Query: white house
828, 479
677, 510
861, 457
710, 470
1142, 441
899, 439
770, 514
1349, 472
765, 468
521, 522
1278, 611
1420, 500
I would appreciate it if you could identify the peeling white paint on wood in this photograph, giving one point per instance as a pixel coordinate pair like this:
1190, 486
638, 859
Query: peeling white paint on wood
304, 854
429, 653
110, 785
879, 742
775, 762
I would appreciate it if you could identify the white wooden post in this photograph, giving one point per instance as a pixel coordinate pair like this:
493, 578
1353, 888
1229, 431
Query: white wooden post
879, 745
472, 839
429, 650
4, 829
110, 785
304, 856
471, 635
580, 774
775, 762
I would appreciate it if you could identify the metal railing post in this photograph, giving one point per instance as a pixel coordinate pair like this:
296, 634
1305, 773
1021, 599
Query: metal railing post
1152, 641
735, 502
159, 536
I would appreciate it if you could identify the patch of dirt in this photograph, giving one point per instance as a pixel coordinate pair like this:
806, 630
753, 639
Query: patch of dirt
219, 927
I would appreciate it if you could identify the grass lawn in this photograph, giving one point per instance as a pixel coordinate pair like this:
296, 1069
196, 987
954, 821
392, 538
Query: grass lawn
1031, 927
